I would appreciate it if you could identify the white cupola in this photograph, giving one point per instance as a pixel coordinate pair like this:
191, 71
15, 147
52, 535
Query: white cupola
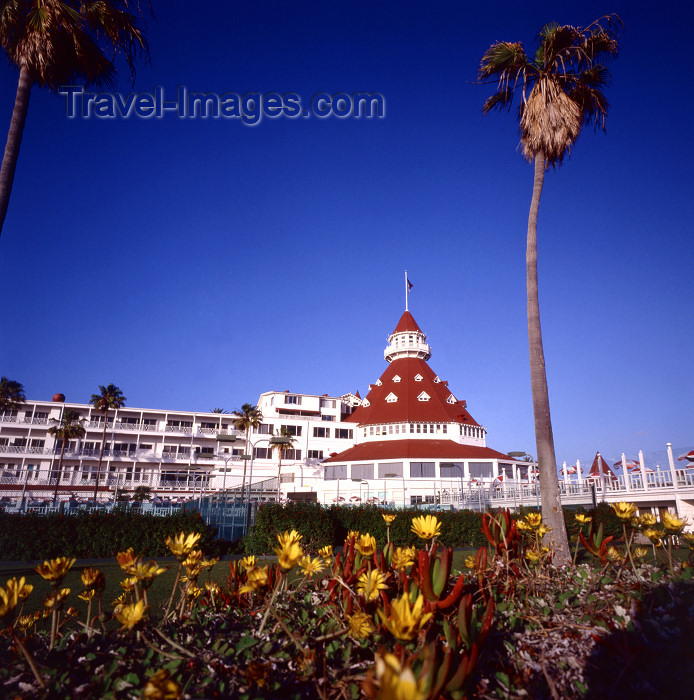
407, 340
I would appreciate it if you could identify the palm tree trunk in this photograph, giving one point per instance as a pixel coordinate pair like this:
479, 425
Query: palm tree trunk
544, 439
60, 470
14, 141
279, 472
101, 455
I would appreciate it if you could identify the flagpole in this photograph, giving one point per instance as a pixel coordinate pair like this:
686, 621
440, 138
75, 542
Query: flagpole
406, 292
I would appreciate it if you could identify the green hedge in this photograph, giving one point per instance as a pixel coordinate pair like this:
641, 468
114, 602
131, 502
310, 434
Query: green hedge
321, 526
96, 535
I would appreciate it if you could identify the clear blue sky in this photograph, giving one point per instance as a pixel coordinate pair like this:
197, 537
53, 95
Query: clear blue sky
198, 263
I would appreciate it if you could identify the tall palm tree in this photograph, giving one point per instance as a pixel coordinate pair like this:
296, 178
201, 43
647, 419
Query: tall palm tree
11, 394
245, 418
108, 397
561, 90
69, 427
55, 43
282, 442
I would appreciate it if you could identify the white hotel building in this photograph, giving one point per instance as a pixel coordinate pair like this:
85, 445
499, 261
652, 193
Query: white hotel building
409, 440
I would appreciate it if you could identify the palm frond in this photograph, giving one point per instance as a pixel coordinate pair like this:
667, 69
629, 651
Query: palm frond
502, 57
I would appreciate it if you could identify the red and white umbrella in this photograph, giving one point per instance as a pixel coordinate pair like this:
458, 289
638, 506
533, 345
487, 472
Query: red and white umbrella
574, 469
631, 464
689, 456
355, 499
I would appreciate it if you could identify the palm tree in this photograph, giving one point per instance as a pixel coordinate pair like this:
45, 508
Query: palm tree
69, 427
11, 394
282, 442
109, 397
55, 43
561, 90
245, 418
219, 410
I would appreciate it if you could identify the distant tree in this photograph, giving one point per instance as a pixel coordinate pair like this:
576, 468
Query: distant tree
142, 493
11, 395
282, 447
246, 418
108, 397
55, 43
561, 89
69, 427
219, 410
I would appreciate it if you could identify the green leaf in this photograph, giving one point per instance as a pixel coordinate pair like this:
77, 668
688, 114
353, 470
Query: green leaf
245, 643
503, 679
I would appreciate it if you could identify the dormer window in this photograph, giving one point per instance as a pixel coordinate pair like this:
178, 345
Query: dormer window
396, 378
365, 403
418, 378
379, 383
391, 398
451, 399
423, 396
436, 379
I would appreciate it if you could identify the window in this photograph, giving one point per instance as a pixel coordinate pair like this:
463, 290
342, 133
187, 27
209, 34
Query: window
291, 454
379, 382
365, 403
362, 471
414, 500
207, 424
321, 432
480, 469
423, 396
262, 452
128, 420
452, 470
418, 377
344, 433
315, 454
390, 470
391, 398
396, 378
436, 379
422, 470
264, 429
286, 478
292, 399
327, 403
451, 399
293, 430
327, 417
144, 446
335, 471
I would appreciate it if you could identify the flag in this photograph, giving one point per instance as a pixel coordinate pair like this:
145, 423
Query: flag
409, 284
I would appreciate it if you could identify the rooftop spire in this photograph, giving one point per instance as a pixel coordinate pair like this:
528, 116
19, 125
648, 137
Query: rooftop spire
407, 340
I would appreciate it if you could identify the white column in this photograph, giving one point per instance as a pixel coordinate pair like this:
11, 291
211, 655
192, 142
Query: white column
642, 464
671, 462
625, 471
578, 472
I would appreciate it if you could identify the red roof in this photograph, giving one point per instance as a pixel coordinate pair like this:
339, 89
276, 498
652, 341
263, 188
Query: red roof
439, 407
415, 449
407, 323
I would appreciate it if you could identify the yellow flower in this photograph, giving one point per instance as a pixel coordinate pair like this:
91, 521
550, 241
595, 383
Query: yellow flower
25, 622
352, 535
640, 552
182, 545
287, 538
311, 566
396, 682
532, 555
689, 537
22, 588
8, 598
624, 511
653, 535
326, 552
288, 555
426, 526
403, 557
72, 612
194, 591
87, 595
389, 518
647, 520
120, 600
370, 584
365, 545
91, 578
359, 625
582, 518
161, 687
126, 560
146, 572
470, 562
212, 587
523, 526
613, 554
130, 615
248, 562
55, 569
671, 522
128, 584
534, 520
256, 577
542, 529
55, 599
405, 621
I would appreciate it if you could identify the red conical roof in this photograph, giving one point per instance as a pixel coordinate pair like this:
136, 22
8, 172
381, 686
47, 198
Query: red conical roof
600, 466
407, 323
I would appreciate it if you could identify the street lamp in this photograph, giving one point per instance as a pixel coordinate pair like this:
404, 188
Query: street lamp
221, 439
